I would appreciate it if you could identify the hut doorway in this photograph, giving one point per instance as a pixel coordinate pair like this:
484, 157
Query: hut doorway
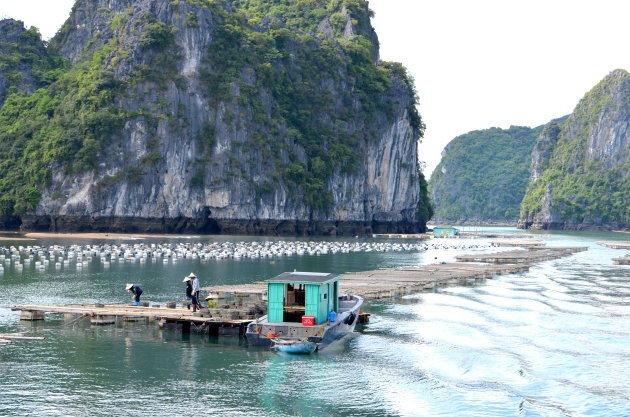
294, 303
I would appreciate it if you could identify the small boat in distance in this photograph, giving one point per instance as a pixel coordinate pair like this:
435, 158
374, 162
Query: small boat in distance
305, 313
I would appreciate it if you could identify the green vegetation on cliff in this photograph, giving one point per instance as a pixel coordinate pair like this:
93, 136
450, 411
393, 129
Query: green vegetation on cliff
305, 73
25, 64
483, 175
64, 125
585, 163
300, 78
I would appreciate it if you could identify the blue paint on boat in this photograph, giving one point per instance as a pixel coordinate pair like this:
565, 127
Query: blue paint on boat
295, 346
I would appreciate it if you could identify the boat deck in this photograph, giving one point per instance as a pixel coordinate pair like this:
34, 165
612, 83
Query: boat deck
291, 330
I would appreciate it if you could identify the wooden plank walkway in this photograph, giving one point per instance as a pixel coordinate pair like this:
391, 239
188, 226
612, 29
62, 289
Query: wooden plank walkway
393, 282
616, 244
235, 300
169, 318
524, 243
396, 282
403, 235
523, 256
118, 310
624, 260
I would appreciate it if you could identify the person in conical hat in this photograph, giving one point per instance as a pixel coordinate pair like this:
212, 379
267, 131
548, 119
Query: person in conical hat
189, 290
195, 291
136, 291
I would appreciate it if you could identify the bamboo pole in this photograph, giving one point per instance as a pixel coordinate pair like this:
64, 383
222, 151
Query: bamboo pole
18, 337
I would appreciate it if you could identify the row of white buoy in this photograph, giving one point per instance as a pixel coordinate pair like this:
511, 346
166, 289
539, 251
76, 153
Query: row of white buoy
82, 255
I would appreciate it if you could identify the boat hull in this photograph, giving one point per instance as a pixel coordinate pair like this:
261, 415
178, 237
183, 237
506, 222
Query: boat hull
257, 334
294, 346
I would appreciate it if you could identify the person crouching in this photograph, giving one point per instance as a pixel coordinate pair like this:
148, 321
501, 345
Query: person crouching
136, 292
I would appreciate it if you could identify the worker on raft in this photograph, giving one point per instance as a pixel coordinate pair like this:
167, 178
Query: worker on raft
195, 292
136, 291
189, 291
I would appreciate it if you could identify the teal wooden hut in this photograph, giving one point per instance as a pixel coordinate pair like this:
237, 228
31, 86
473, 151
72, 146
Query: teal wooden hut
445, 231
292, 295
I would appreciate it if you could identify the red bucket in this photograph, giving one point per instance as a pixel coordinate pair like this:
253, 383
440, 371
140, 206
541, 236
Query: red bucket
308, 320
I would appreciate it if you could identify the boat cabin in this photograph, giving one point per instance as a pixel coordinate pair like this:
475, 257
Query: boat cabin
292, 295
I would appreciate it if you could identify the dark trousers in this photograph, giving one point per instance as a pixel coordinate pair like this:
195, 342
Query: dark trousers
195, 299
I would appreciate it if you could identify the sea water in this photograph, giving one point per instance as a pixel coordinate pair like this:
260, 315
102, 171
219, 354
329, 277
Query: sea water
554, 341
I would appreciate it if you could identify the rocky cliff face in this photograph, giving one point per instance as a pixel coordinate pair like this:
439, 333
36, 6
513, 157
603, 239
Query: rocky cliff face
24, 60
580, 177
210, 116
482, 176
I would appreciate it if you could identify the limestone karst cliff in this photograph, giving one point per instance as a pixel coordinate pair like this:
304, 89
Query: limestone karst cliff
580, 175
239, 116
25, 64
482, 176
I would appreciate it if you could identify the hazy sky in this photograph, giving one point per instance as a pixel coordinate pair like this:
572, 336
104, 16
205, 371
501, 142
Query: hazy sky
477, 64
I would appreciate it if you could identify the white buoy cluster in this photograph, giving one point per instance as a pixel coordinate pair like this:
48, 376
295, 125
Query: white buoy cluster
81, 256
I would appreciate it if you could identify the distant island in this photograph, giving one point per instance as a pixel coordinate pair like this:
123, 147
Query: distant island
482, 176
580, 176
572, 174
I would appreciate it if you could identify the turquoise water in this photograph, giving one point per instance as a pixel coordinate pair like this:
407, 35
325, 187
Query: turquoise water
554, 341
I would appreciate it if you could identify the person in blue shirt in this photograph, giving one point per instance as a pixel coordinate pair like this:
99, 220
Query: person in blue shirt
136, 291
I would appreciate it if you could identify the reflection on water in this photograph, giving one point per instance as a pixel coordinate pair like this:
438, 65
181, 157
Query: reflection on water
553, 341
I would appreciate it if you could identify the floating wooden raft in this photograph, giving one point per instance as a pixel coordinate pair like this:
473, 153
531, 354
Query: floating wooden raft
524, 243
7, 338
623, 244
523, 256
394, 282
169, 318
624, 260
381, 283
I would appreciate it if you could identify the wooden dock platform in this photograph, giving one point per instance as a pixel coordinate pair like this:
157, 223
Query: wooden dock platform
623, 244
523, 243
394, 282
624, 260
167, 318
235, 306
403, 235
523, 256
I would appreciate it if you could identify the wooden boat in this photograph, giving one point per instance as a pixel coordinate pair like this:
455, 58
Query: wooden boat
299, 346
304, 306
